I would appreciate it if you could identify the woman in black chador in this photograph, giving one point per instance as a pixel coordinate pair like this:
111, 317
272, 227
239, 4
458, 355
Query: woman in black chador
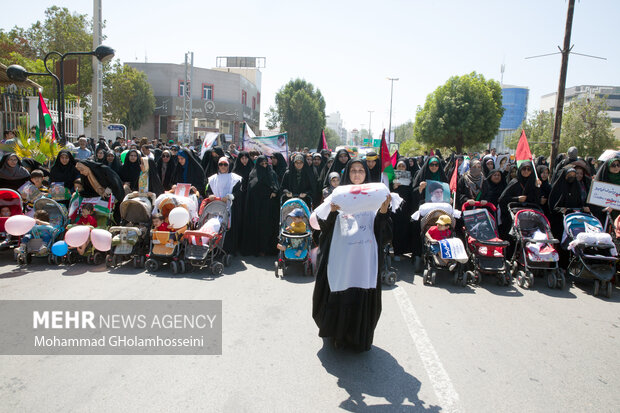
342, 157
189, 171
298, 181
346, 303
522, 189
260, 221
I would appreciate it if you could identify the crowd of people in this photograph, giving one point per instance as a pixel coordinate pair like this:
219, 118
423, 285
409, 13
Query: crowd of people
347, 298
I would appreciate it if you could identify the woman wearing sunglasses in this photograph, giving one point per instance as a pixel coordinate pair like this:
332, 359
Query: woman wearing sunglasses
165, 169
524, 188
609, 172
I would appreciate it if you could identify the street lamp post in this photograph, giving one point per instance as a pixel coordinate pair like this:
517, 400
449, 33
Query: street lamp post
391, 79
103, 53
369, 122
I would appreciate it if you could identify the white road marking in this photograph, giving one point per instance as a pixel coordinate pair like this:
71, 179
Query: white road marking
442, 385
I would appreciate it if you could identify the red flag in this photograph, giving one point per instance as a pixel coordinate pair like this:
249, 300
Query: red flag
322, 144
523, 150
432, 153
394, 159
45, 119
386, 159
454, 178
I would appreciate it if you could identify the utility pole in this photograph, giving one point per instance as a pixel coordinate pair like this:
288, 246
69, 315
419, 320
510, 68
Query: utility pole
188, 123
559, 104
391, 79
369, 122
96, 119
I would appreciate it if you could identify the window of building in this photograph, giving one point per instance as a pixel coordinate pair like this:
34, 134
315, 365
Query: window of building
207, 91
181, 88
253, 103
244, 97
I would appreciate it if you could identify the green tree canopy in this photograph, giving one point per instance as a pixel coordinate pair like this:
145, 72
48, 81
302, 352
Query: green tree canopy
464, 112
403, 132
300, 111
332, 137
585, 125
127, 96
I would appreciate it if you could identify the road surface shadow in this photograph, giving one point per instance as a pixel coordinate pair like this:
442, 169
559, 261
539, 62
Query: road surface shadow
374, 373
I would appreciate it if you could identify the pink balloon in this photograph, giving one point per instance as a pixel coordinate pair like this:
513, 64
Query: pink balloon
314, 222
77, 235
19, 224
101, 239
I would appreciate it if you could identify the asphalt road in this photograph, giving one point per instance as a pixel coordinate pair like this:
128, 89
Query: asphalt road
441, 348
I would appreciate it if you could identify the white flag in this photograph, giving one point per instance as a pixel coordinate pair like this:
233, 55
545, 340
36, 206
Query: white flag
210, 137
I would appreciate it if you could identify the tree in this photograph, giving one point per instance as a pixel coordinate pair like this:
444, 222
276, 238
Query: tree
465, 111
128, 97
585, 125
332, 137
300, 111
403, 132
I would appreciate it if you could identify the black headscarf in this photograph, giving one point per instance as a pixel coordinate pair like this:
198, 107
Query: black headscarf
101, 147
521, 186
299, 181
115, 165
485, 168
604, 175
425, 174
209, 162
171, 164
106, 177
12, 178
541, 161
565, 194
32, 164
263, 176
346, 178
281, 167
490, 190
130, 171
337, 166
375, 173
66, 174
190, 173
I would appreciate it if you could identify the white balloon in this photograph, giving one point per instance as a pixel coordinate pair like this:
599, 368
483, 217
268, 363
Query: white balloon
19, 224
101, 239
178, 217
77, 235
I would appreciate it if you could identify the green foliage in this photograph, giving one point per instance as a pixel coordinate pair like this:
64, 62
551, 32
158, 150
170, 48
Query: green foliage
43, 151
128, 97
332, 138
464, 112
403, 132
300, 111
585, 125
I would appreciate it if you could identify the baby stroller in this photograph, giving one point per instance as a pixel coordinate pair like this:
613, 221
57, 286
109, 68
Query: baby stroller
102, 212
204, 247
298, 245
166, 246
132, 240
593, 255
58, 220
388, 274
11, 199
534, 252
484, 248
432, 250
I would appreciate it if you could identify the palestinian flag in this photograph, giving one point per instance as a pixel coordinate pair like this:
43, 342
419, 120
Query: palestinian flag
523, 150
387, 170
322, 144
45, 120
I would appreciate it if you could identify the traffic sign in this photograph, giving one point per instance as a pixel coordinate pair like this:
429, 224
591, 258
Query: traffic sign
116, 127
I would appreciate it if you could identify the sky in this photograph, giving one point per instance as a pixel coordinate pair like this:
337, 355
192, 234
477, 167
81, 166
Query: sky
348, 48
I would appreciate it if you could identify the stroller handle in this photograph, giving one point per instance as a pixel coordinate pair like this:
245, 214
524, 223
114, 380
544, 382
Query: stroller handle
514, 205
542, 241
478, 204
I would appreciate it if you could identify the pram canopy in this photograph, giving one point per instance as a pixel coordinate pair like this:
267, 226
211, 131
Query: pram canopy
578, 222
215, 209
530, 221
136, 209
59, 218
12, 199
288, 207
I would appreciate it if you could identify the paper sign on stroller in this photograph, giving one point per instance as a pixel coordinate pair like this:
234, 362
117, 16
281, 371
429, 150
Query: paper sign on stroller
453, 249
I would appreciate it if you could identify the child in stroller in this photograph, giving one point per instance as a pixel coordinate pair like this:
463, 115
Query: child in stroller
295, 237
439, 243
10, 204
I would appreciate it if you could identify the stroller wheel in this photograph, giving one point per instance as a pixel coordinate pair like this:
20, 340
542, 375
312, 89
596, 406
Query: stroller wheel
135, 262
521, 278
597, 287
561, 279
182, 266
390, 278
142, 259
425, 277
109, 261
98, 258
433, 276
217, 268
529, 280
50, 259
507, 278
284, 268
21, 259
89, 260
456, 277
56, 259
28, 258
175, 267
477, 277
277, 267
551, 279
227, 260
608, 289
151, 265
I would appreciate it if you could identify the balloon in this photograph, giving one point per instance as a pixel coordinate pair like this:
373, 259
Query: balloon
19, 224
101, 239
123, 154
178, 217
314, 222
77, 236
60, 248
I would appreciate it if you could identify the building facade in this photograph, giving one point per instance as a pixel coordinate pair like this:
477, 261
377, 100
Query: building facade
612, 93
222, 99
514, 102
